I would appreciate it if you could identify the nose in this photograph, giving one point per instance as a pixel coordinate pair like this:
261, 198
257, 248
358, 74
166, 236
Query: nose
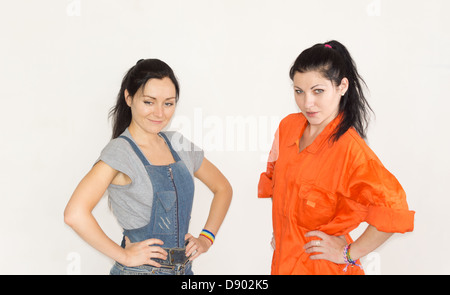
309, 101
158, 111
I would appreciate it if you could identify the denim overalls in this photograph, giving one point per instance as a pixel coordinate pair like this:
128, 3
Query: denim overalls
173, 192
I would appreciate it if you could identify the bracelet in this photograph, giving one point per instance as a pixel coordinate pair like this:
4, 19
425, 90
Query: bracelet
348, 260
209, 235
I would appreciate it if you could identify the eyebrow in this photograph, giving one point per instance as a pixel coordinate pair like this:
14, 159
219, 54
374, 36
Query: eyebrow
157, 99
311, 87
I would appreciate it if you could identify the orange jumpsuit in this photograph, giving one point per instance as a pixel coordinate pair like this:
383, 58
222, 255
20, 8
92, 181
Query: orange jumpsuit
329, 186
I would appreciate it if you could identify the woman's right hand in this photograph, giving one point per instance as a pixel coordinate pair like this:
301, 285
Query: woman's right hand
142, 252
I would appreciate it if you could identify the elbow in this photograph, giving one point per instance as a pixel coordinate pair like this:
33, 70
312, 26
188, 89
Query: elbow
70, 217
223, 191
228, 190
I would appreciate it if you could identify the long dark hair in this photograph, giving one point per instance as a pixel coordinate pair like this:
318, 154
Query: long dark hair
333, 60
134, 79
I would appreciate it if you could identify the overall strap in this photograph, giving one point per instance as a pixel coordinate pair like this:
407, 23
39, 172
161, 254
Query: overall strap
136, 150
141, 155
174, 153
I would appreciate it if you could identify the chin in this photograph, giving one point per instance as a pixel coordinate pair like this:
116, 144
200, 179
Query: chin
155, 129
315, 121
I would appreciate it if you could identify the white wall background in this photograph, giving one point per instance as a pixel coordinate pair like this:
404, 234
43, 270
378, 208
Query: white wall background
61, 64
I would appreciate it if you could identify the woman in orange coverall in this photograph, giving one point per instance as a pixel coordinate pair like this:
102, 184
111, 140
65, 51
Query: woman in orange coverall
323, 178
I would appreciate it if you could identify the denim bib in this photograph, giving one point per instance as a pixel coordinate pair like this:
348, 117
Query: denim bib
173, 193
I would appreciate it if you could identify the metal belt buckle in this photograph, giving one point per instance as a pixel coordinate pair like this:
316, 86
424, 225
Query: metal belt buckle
175, 256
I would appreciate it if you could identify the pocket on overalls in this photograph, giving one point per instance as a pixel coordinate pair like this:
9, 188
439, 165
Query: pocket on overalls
165, 221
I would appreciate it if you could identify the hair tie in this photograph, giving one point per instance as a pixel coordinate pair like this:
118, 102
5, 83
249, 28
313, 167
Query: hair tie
328, 46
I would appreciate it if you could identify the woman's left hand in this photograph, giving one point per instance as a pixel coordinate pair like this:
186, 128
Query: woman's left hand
196, 246
328, 247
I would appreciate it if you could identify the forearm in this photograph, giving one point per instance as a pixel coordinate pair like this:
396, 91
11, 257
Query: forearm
86, 226
221, 188
368, 242
219, 208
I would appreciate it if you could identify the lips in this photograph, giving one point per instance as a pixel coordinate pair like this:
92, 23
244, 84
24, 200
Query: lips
155, 122
311, 114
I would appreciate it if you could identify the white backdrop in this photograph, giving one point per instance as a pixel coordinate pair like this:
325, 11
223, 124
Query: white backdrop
61, 64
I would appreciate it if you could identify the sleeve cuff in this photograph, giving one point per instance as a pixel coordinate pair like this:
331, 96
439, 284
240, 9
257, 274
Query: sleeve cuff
391, 220
265, 189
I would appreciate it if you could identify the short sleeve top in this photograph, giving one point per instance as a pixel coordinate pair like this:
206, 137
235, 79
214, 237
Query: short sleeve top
132, 203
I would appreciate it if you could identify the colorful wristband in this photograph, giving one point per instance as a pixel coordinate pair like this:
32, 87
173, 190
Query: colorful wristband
348, 260
209, 235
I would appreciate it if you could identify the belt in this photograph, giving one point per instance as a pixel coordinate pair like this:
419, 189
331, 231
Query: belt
176, 257
176, 261
179, 269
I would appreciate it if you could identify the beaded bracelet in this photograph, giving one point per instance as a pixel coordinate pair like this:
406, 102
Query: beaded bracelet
348, 260
209, 235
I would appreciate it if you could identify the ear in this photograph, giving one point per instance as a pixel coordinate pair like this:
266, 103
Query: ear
128, 97
343, 87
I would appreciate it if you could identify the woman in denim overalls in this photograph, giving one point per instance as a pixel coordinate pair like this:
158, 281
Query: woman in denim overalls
145, 105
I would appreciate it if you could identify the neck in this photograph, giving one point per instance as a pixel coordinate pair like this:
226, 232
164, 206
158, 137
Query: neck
141, 136
315, 130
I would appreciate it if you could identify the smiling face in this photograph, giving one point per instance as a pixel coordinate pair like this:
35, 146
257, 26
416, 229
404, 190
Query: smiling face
153, 105
318, 97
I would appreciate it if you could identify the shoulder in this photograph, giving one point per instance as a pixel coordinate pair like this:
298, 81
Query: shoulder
191, 154
292, 122
357, 147
119, 154
293, 119
290, 126
119, 145
364, 166
116, 146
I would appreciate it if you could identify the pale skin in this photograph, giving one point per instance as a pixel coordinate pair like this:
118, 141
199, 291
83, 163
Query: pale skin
318, 99
152, 108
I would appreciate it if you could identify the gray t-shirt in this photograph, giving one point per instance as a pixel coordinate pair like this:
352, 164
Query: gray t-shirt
132, 203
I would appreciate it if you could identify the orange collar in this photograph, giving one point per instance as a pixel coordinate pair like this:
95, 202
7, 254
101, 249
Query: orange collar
320, 139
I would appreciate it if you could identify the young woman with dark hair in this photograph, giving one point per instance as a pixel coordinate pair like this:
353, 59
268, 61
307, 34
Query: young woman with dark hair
148, 174
323, 178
